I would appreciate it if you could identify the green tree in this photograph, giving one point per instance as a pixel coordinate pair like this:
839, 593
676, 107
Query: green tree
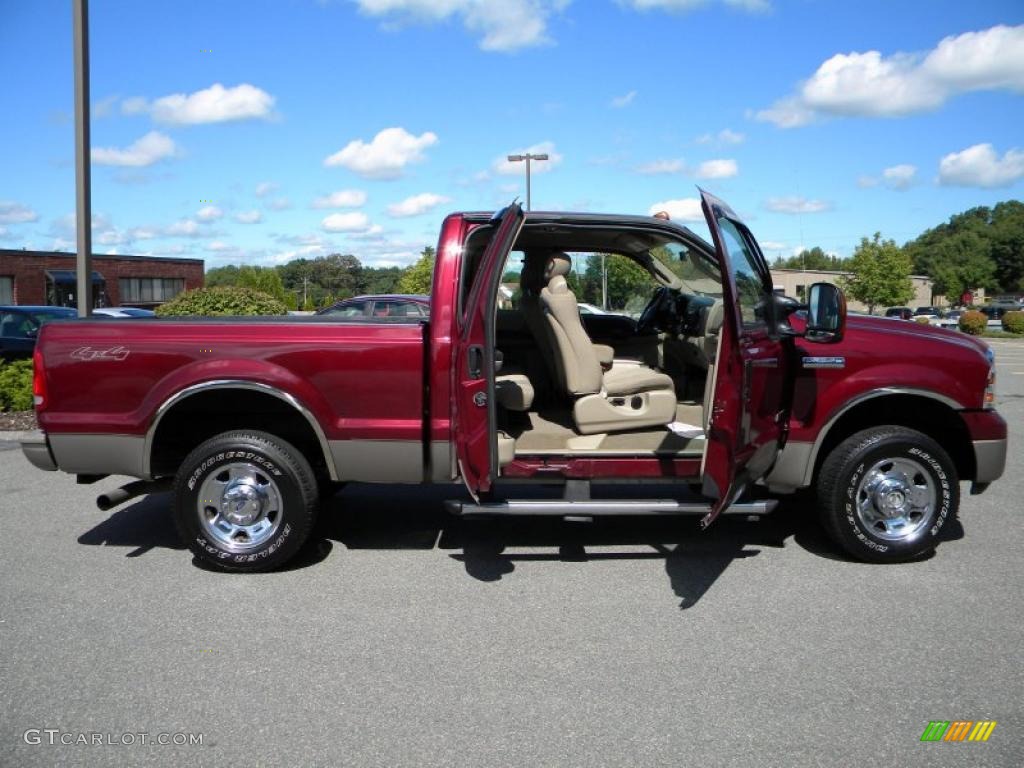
1008, 244
263, 279
380, 279
811, 258
628, 284
880, 274
418, 277
227, 275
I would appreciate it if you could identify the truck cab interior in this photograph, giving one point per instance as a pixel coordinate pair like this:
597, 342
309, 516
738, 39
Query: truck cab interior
629, 376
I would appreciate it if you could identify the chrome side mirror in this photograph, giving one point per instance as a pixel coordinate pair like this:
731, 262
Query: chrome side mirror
826, 313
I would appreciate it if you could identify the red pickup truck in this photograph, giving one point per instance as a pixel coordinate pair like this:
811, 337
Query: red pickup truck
721, 390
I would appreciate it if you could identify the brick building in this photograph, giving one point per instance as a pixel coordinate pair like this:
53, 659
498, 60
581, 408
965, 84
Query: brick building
47, 277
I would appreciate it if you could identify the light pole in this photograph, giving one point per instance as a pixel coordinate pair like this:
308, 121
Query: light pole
83, 202
527, 157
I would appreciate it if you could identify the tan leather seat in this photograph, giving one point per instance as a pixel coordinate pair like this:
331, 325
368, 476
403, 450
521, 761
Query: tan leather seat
621, 398
712, 332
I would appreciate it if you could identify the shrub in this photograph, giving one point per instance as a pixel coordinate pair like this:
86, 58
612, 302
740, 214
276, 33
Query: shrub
16, 386
221, 301
1013, 322
973, 322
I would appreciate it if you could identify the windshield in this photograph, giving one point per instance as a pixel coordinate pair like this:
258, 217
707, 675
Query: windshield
698, 274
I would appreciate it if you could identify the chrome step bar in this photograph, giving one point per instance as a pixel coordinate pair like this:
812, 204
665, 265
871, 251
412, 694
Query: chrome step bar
599, 508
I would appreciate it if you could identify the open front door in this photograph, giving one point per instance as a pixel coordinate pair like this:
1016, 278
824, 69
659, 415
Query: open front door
473, 415
750, 404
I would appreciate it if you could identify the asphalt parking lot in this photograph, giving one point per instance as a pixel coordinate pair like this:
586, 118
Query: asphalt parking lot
405, 638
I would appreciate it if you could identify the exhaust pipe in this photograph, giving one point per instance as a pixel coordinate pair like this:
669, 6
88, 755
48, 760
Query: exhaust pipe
110, 499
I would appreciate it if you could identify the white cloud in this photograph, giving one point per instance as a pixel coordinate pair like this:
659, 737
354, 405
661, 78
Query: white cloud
386, 156
869, 84
795, 205
149, 149
710, 169
215, 104
717, 169
661, 167
625, 100
867, 182
773, 245
502, 165
184, 228
219, 246
356, 221
209, 213
981, 166
416, 205
724, 136
687, 209
503, 26
249, 217
16, 213
343, 198
103, 107
279, 204
681, 6
134, 106
264, 188
900, 176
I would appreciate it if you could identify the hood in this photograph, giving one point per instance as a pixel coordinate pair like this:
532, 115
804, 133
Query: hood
918, 332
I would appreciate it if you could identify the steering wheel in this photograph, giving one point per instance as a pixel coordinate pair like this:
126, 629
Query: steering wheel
659, 303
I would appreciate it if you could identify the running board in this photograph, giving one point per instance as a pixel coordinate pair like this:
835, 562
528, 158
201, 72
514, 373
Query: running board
597, 508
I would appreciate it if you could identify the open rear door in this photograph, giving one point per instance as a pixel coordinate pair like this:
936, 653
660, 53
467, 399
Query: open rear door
473, 414
749, 405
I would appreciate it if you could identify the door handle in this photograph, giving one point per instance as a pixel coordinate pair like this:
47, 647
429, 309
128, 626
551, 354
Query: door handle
475, 361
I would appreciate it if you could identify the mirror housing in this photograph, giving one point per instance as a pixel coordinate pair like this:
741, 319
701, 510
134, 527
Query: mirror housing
826, 313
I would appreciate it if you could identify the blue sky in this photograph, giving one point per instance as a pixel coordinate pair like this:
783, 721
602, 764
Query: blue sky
255, 132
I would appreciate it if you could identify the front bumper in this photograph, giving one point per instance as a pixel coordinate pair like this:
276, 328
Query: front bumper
36, 448
988, 433
989, 460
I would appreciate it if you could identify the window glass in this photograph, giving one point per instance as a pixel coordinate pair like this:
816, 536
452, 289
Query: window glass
6, 290
750, 290
403, 309
698, 274
16, 325
352, 309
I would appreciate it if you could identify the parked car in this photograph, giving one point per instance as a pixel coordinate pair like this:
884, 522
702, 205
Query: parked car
932, 313
19, 326
386, 306
591, 309
950, 318
123, 312
250, 425
900, 313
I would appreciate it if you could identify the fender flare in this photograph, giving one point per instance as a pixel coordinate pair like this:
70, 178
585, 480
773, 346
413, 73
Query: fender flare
183, 394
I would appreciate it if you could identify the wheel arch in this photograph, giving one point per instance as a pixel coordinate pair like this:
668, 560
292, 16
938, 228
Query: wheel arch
230, 404
928, 412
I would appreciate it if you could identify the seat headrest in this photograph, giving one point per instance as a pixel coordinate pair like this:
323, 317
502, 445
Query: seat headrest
557, 265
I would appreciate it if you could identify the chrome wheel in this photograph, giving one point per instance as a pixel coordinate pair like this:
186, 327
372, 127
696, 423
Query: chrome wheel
239, 507
896, 499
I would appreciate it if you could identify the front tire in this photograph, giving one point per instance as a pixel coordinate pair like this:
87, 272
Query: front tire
245, 501
886, 493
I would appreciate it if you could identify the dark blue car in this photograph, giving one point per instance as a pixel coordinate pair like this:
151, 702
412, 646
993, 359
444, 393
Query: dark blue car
19, 327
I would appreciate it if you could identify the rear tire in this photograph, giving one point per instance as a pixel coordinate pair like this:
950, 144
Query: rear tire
245, 501
886, 493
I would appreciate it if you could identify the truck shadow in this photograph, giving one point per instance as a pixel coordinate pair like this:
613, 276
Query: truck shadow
413, 517
362, 517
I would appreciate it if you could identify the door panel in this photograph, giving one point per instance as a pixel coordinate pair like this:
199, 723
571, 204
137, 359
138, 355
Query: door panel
749, 407
473, 405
